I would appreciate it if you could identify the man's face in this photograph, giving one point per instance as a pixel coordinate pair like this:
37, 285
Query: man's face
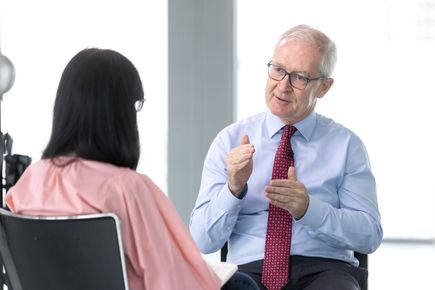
289, 103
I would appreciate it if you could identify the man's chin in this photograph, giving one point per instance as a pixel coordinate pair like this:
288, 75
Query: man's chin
281, 112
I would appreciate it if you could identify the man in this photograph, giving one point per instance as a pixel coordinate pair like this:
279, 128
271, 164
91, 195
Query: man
326, 197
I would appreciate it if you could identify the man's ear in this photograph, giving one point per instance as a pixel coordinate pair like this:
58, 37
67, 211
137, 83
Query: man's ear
324, 87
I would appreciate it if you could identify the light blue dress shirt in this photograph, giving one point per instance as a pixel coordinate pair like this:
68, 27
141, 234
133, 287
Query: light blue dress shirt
330, 160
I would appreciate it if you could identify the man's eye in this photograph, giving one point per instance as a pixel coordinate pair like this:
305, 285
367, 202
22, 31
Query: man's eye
278, 69
300, 78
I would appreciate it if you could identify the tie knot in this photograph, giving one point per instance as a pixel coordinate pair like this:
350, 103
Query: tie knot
288, 131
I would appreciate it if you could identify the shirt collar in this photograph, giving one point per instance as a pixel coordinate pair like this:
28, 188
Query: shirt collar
305, 127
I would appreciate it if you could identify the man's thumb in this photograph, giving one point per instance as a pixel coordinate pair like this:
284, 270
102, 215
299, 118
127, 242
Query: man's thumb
291, 173
244, 139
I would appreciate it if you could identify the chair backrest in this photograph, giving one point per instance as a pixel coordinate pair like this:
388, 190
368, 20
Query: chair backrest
363, 259
75, 252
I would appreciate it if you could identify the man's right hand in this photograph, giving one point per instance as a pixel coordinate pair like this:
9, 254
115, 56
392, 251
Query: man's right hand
239, 165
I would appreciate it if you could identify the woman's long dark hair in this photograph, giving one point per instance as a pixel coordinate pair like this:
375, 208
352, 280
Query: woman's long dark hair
94, 113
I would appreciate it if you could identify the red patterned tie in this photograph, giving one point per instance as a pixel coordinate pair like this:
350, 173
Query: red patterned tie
279, 223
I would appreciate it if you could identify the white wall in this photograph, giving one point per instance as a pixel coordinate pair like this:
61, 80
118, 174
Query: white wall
40, 37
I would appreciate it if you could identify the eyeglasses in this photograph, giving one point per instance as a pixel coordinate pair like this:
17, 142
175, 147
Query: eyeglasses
297, 80
139, 104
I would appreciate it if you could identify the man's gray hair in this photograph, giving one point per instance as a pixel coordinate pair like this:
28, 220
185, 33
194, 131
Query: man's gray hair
317, 38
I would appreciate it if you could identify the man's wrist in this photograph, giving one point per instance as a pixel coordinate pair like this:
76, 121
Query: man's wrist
244, 191
240, 195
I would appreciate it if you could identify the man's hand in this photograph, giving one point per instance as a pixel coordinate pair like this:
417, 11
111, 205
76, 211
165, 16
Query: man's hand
239, 165
288, 194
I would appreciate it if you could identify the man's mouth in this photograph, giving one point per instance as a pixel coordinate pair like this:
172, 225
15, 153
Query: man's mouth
287, 100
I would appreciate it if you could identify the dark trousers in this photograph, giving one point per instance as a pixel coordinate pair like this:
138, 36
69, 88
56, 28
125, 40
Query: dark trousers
311, 273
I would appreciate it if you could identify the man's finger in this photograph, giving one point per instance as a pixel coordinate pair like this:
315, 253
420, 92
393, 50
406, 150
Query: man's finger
244, 139
291, 173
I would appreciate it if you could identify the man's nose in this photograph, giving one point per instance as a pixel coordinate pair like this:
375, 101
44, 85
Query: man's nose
285, 84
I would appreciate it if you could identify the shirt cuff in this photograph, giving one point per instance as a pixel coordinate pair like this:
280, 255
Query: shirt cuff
227, 201
315, 214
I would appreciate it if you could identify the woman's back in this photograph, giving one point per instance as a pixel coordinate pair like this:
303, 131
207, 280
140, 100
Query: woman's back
160, 254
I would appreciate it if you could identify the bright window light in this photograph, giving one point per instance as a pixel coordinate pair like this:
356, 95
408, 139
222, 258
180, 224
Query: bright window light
382, 90
40, 37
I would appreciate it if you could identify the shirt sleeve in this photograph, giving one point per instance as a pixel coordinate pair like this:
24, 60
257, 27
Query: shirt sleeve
355, 224
216, 210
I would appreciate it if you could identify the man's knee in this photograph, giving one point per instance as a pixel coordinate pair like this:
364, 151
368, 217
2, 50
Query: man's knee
334, 280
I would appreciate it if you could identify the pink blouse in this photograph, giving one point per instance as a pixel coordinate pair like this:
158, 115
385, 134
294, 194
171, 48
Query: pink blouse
159, 251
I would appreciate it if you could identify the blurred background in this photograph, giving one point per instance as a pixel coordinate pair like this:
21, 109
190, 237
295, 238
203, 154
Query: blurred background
203, 65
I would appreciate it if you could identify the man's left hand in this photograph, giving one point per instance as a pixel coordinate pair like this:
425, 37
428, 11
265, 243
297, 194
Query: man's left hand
288, 194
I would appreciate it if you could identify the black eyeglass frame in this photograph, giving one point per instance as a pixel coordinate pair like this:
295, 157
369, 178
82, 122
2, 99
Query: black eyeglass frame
139, 104
289, 74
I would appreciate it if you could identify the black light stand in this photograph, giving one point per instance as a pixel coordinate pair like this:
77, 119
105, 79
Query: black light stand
3, 192
11, 165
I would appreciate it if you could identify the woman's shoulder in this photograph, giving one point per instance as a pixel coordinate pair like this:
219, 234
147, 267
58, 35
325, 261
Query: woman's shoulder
97, 175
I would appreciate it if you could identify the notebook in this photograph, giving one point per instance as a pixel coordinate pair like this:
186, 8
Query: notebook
224, 270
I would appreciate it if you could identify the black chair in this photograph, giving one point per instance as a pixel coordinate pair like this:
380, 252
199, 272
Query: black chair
240, 281
69, 253
362, 258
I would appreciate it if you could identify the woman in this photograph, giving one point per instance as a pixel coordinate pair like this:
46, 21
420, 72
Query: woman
89, 166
